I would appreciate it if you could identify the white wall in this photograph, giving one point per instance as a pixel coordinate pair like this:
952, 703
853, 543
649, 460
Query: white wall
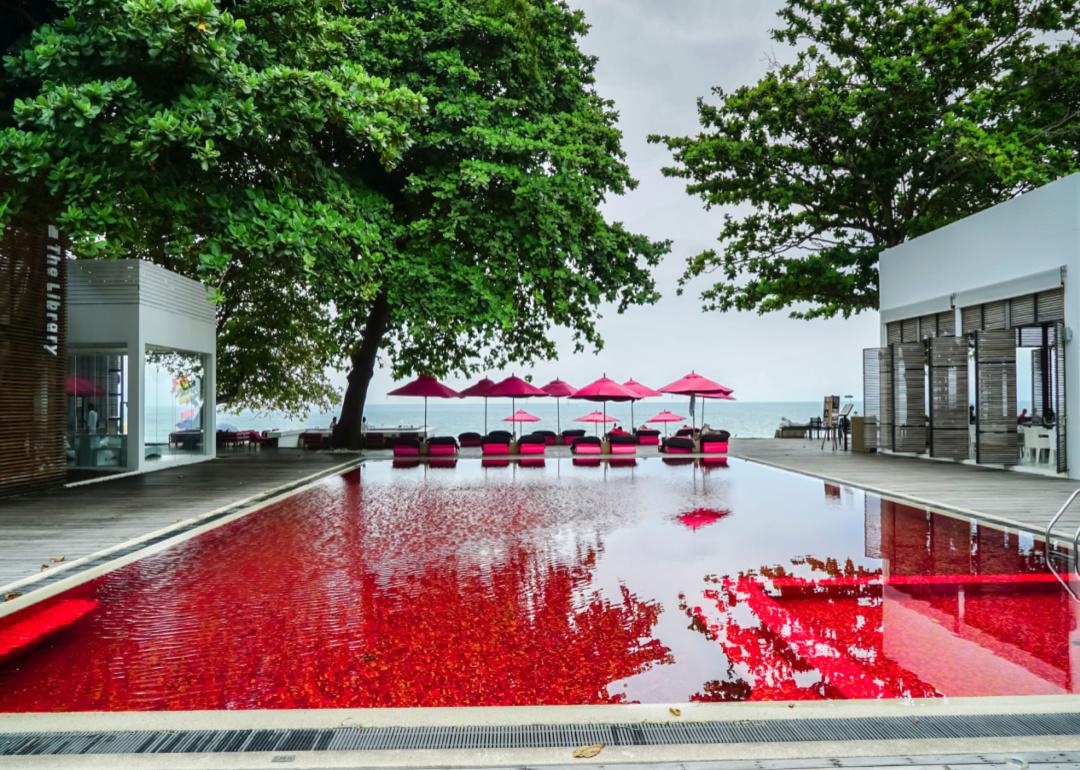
1034, 233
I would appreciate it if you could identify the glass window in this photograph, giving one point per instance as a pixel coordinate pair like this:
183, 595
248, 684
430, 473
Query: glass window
175, 405
95, 389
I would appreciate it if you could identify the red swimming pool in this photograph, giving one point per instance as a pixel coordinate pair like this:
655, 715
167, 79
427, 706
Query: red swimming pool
559, 584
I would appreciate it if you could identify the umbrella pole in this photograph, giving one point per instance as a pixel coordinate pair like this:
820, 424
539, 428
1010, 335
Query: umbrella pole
425, 416
485, 416
631, 416
558, 421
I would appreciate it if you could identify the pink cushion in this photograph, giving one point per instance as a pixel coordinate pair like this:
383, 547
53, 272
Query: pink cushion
442, 450
646, 440
406, 451
678, 450
623, 449
587, 449
531, 449
496, 449
714, 447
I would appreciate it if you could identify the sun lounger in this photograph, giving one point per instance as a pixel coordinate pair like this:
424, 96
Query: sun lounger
496, 443
678, 445
715, 443
550, 436
684, 432
406, 446
648, 437
442, 446
568, 436
586, 445
622, 444
470, 439
532, 444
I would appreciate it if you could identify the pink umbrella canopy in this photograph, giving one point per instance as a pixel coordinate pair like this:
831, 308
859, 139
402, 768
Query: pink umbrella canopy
694, 384
521, 416
514, 387
558, 389
596, 417
666, 417
479, 389
80, 386
605, 389
641, 391
425, 386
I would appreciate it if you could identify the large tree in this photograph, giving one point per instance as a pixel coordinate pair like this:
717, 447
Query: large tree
229, 148
497, 201
893, 118
422, 178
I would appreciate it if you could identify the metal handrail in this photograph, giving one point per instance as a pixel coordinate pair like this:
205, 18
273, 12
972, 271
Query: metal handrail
1058, 515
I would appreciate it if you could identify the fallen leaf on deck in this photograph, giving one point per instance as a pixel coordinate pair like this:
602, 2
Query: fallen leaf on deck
675, 712
12, 595
56, 559
588, 752
44, 567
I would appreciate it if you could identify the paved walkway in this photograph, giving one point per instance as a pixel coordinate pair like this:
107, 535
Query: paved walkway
78, 521
1022, 499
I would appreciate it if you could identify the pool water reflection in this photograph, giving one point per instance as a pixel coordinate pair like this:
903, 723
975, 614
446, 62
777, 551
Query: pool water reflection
558, 584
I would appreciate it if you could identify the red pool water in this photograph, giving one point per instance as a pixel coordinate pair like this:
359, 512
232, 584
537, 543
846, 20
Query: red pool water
561, 584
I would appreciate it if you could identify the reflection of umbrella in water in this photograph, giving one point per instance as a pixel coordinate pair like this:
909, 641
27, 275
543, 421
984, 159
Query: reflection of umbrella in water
701, 517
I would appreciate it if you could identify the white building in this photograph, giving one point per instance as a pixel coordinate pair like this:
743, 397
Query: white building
141, 357
981, 314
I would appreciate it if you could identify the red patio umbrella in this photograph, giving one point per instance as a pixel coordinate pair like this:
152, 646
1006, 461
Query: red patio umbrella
694, 384
513, 387
80, 386
521, 416
641, 391
480, 389
558, 389
596, 417
425, 386
666, 417
604, 389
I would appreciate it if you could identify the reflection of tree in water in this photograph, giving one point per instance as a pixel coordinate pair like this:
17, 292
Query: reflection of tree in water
795, 638
329, 603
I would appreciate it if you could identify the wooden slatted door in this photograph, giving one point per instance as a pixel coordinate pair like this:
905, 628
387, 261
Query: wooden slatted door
872, 398
1059, 395
995, 397
949, 397
909, 397
886, 434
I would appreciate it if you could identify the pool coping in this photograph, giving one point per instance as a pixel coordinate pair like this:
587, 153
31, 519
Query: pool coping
60, 578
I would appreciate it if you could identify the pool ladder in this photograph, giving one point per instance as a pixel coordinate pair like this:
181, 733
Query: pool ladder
1075, 565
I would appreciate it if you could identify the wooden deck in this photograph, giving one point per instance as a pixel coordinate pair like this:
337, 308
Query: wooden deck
78, 521
1020, 499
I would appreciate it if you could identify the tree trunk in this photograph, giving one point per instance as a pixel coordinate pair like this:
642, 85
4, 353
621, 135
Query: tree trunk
347, 433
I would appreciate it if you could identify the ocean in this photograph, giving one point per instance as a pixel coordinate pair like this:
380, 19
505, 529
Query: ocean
749, 419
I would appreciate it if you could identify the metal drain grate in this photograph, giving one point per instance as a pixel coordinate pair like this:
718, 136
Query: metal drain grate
540, 736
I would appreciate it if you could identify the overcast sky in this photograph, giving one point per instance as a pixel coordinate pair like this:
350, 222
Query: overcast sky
655, 60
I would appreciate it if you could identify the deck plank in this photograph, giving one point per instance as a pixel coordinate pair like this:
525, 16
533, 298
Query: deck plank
74, 522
